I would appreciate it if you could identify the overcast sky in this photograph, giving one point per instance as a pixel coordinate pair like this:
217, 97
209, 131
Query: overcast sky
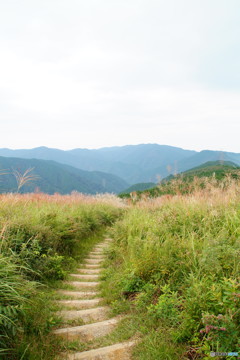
98, 73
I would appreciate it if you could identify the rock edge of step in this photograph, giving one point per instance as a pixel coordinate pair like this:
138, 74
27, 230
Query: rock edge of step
89, 331
105, 353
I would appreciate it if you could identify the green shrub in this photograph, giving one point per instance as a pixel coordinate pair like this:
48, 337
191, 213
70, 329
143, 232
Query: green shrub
166, 308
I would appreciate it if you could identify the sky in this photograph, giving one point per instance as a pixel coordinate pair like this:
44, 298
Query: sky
96, 73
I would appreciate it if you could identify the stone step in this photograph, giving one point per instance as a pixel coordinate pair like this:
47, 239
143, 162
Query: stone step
85, 277
100, 247
102, 258
97, 252
121, 351
87, 315
93, 256
88, 332
92, 266
78, 294
83, 284
90, 271
105, 242
94, 261
80, 304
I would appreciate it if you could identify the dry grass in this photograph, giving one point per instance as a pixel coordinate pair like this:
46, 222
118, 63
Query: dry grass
74, 198
213, 193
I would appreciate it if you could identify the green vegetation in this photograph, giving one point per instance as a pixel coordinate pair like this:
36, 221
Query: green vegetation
41, 239
220, 169
173, 269
214, 172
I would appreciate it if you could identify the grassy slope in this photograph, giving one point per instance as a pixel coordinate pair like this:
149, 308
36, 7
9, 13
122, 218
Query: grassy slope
219, 168
174, 270
189, 180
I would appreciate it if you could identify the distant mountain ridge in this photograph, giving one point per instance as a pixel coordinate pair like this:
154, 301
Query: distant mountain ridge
55, 177
132, 163
139, 187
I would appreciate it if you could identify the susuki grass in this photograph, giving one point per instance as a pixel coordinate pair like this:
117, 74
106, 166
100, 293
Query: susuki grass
42, 237
174, 265
189, 183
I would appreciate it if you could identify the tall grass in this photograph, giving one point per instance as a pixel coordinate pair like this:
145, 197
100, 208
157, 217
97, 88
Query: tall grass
41, 238
176, 260
185, 185
14, 290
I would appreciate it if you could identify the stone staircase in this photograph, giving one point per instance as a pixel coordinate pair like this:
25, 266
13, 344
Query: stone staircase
85, 307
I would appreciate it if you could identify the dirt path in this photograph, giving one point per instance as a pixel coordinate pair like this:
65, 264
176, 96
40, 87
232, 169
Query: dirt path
83, 307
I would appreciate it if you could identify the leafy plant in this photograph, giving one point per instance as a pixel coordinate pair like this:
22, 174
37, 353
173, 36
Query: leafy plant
166, 308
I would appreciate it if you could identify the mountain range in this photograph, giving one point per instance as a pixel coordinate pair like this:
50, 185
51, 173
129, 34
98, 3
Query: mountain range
114, 168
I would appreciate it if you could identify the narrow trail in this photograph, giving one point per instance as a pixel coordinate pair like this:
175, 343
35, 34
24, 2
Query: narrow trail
84, 307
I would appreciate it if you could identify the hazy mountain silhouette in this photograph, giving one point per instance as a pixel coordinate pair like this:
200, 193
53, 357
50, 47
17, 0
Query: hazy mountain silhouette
132, 163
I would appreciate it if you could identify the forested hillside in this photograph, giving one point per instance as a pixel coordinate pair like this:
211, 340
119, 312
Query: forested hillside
54, 177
